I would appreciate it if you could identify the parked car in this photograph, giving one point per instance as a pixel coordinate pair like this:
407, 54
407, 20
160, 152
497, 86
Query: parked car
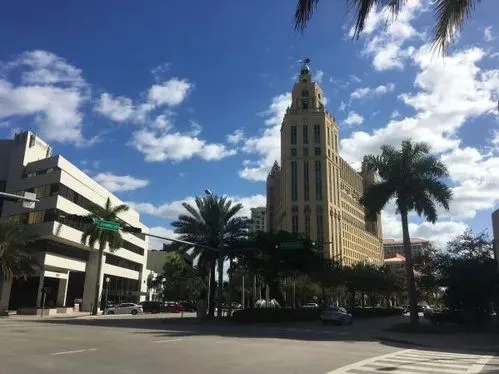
172, 307
187, 306
336, 315
126, 308
310, 305
151, 306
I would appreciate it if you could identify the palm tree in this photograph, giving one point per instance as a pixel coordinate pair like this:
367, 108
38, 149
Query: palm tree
211, 220
17, 258
450, 15
112, 239
411, 177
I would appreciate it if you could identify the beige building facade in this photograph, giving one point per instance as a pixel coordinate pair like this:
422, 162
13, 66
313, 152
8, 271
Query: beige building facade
314, 191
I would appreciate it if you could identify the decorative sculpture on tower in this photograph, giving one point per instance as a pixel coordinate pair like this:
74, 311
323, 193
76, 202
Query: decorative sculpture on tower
305, 69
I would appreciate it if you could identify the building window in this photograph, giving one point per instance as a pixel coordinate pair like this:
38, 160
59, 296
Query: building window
293, 134
305, 151
318, 180
335, 145
329, 136
306, 188
307, 225
304, 93
305, 134
294, 224
293, 152
317, 151
294, 182
317, 134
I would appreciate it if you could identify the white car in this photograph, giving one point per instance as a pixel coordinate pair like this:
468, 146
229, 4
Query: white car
126, 308
336, 315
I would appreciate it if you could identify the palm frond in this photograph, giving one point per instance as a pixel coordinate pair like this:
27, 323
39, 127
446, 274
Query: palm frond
304, 12
450, 15
361, 9
376, 197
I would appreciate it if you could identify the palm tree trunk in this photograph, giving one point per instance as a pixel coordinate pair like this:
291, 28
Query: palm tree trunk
95, 307
213, 284
409, 270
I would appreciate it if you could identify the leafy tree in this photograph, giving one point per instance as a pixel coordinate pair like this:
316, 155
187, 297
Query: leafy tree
427, 266
17, 258
328, 274
411, 176
469, 274
450, 15
180, 280
112, 239
211, 219
470, 246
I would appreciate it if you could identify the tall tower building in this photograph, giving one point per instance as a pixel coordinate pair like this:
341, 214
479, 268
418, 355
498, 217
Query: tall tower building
258, 219
314, 191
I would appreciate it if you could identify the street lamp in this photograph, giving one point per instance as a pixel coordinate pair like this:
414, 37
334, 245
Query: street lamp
220, 260
28, 199
107, 293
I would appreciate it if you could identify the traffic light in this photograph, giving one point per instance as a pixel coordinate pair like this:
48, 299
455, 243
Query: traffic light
131, 229
313, 244
78, 218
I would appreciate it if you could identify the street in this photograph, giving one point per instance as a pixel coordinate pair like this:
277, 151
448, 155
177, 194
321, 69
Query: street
153, 344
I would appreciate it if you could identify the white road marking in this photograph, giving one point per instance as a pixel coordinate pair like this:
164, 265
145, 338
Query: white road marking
76, 351
167, 341
414, 361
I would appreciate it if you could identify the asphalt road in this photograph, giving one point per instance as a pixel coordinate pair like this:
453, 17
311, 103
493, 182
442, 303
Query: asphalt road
149, 344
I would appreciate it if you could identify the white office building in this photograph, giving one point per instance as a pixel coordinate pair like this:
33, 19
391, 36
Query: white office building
69, 271
258, 219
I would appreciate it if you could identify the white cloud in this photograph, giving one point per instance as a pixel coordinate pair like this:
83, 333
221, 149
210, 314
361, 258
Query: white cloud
159, 71
195, 129
157, 244
171, 92
236, 137
368, 92
173, 209
51, 91
267, 145
319, 74
395, 114
439, 233
353, 118
165, 95
355, 78
487, 34
119, 109
342, 106
449, 92
120, 183
160, 146
387, 37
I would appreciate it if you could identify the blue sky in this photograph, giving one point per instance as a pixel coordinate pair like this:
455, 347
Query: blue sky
159, 102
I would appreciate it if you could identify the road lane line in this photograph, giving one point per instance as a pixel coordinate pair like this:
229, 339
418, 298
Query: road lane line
167, 341
70, 352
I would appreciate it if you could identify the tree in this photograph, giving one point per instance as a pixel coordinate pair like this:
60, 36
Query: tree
17, 258
450, 15
212, 219
427, 266
470, 246
469, 273
93, 234
181, 282
411, 176
328, 274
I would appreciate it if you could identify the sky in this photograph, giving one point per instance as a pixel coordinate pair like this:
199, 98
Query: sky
159, 102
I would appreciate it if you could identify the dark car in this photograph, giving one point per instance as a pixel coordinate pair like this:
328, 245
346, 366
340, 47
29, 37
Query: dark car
151, 306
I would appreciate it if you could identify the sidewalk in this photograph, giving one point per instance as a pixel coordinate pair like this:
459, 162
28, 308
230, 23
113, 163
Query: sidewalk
21, 317
476, 341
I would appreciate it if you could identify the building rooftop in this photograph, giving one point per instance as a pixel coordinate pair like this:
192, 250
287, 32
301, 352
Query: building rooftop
413, 241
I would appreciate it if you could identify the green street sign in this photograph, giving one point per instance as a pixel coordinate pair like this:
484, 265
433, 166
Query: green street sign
108, 225
291, 245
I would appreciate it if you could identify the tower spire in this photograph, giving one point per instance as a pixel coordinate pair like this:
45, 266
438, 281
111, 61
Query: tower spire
305, 69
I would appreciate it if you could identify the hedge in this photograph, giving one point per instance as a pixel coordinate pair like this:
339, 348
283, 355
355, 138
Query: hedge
255, 315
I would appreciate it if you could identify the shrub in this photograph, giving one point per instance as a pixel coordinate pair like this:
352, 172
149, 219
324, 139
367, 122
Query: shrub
4, 313
255, 315
376, 312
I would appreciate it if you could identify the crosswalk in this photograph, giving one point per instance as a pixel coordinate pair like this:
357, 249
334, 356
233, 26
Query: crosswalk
414, 361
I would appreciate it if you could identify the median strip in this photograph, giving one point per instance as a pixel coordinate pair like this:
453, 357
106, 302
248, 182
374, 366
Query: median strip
167, 341
70, 352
